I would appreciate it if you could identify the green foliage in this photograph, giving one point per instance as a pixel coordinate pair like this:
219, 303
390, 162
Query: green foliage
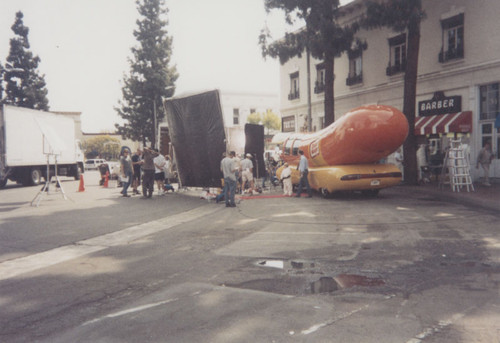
1, 82
254, 118
104, 145
399, 15
322, 37
322, 34
150, 77
24, 86
269, 120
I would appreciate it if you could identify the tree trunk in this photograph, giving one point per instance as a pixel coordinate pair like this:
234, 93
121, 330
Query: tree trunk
309, 109
329, 91
410, 94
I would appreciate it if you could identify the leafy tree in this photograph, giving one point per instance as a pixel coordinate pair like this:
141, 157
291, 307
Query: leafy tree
269, 120
1, 82
254, 118
151, 78
323, 37
401, 16
103, 145
25, 87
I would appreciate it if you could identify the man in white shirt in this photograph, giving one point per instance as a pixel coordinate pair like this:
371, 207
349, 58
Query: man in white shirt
159, 162
228, 168
247, 172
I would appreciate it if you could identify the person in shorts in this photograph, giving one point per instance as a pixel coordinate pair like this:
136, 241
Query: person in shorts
247, 173
159, 162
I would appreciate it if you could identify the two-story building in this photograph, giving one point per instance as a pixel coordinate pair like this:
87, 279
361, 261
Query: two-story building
458, 86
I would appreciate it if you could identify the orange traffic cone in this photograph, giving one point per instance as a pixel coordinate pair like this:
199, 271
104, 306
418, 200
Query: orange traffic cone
106, 180
81, 188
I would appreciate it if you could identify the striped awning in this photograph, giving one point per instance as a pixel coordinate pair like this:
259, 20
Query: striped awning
460, 122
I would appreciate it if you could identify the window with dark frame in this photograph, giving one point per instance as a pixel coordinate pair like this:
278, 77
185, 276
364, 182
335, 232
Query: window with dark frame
288, 147
397, 55
319, 85
236, 116
288, 124
453, 38
295, 148
355, 67
489, 101
489, 110
294, 86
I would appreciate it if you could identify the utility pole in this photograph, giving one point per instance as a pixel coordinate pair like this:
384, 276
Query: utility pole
309, 110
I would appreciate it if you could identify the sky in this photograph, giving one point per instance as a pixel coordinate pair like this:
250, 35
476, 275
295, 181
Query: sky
84, 47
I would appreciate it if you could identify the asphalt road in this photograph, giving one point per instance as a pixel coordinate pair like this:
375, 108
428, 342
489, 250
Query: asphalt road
403, 267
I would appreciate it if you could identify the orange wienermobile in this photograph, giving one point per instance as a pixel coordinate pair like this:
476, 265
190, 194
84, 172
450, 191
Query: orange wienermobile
345, 155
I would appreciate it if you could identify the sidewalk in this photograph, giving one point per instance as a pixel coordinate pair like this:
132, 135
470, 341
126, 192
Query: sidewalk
487, 197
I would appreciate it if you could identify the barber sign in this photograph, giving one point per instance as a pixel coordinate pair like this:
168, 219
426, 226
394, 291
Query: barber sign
440, 104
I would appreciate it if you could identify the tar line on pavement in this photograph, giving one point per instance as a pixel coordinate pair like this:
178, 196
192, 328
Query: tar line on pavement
18, 266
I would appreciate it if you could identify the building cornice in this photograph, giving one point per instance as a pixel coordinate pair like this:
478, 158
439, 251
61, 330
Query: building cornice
438, 75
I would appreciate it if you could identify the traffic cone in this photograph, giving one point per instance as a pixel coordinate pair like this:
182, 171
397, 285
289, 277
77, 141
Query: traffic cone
81, 188
106, 180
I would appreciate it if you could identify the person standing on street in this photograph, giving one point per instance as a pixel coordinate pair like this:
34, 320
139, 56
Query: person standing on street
126, 172
148, 173
286, 177
484, 159
303, 168
399, 161
228, 168
159, 162
247, 173
136, 163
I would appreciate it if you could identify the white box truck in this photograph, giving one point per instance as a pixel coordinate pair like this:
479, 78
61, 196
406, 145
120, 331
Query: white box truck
32, 141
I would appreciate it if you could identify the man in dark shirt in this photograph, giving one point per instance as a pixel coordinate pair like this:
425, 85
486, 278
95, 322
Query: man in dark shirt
136, 163
148, 169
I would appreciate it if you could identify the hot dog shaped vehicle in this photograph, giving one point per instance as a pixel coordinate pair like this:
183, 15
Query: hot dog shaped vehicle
345, 155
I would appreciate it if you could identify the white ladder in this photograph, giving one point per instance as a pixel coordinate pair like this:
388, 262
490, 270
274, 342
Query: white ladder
458, 165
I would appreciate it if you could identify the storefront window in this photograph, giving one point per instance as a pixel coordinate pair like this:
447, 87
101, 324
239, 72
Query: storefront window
489, 95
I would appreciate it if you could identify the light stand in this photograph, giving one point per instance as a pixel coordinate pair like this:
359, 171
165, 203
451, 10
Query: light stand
58, 182
45, 189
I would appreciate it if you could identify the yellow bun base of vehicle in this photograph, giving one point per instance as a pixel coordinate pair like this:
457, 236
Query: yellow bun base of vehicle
359, 177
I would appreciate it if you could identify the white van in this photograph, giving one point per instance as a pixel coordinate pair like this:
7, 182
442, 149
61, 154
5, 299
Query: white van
94, 163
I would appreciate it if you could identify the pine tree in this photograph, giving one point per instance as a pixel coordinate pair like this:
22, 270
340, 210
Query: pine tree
403, 16
150, 77
1, 82
25, 87
323, 37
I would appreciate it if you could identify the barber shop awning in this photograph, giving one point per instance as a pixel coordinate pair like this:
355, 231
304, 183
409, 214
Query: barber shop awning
460, 122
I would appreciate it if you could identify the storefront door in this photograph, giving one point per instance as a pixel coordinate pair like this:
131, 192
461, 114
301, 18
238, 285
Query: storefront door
491, 134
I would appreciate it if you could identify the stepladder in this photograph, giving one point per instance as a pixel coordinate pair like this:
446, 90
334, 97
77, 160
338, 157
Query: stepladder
456, 167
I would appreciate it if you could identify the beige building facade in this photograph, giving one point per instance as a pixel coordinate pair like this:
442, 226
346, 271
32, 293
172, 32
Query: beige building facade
458, 86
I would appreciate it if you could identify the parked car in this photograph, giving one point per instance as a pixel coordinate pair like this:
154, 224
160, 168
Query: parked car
94, 163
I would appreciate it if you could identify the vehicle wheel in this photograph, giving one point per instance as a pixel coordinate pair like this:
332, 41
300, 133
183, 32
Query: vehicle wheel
370, 192
33, 178
78, 173
3, 183
324, 193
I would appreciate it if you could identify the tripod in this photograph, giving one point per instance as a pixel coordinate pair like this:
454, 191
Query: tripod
45, 189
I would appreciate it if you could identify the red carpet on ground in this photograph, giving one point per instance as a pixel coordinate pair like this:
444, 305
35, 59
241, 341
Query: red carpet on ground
245, 197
